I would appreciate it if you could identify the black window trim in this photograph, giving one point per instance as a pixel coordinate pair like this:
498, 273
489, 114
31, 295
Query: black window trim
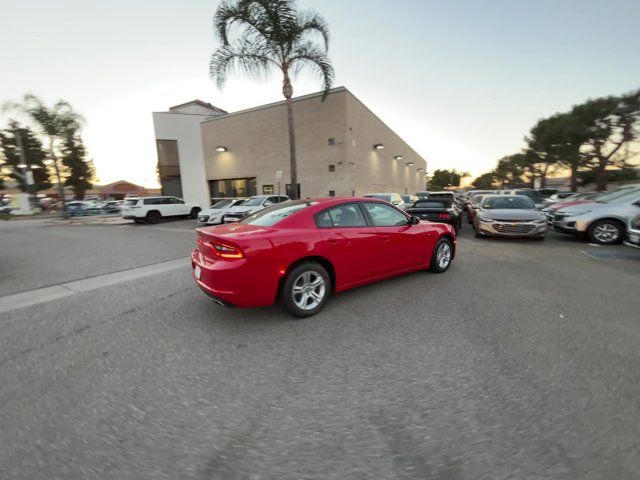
366, 217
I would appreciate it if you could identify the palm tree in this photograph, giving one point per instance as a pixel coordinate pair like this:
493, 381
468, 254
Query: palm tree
272, 34
54, 123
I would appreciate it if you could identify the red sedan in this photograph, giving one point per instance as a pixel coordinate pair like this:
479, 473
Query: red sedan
302, 251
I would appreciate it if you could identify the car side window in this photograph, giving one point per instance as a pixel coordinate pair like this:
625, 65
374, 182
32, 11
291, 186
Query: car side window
176, 201
343, 216
385, 216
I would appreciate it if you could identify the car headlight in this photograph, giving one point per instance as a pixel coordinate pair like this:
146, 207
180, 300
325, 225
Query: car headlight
576, 213
635, 223
540, 220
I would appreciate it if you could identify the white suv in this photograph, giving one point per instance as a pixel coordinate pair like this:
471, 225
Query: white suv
152, 209
213, 215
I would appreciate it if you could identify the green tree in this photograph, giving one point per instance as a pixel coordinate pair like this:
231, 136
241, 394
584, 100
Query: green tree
511, 169
442, 179
272, 35
608, 123
34, 154
52, 123
484, 181
81, 172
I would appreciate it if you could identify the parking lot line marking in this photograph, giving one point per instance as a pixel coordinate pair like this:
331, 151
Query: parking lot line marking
47, 294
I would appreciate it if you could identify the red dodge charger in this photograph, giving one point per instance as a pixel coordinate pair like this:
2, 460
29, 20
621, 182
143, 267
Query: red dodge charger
301, 251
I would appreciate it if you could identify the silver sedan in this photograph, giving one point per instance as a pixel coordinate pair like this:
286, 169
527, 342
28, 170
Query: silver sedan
509, 216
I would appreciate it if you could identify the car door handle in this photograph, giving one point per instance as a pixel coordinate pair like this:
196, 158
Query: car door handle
386, 238
333, 240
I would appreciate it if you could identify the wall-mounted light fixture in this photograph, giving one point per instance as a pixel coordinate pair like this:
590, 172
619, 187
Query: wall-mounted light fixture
220, 148
378, 146
419, 169
399, 157
409, 164
21, 165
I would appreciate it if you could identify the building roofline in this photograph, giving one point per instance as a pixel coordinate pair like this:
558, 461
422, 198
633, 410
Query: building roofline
200, 103
279, 103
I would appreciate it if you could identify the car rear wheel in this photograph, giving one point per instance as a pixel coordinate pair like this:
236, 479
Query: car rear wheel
605, 232
442, 256
153, 217
306, 289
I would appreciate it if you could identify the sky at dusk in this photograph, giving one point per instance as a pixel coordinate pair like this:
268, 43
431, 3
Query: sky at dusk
461, 81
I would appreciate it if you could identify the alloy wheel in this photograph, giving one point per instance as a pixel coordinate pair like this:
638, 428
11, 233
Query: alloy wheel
606, 233
443, 255
308, 290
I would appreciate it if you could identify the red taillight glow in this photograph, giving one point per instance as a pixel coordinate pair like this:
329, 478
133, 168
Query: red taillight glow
220, 249
445, 215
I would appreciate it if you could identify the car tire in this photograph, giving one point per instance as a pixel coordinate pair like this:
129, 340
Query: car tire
299, 283
606, 232
442, 256
153, 217
477, 233
194, 212
139, 221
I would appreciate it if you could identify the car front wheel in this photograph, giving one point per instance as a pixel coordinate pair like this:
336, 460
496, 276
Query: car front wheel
306, 289
194, 212
605, 232
153, 217
442, 256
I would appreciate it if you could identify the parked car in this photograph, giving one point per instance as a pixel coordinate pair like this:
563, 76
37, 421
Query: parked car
509, 216
81, 208
530, 193
407, 201
437, 209
392, 198
546, 192
303, 251
633, 232
578, 199
472, 193
153, 209
251, 205
473, 204
213, 215
112, 206
558, 197
604, 220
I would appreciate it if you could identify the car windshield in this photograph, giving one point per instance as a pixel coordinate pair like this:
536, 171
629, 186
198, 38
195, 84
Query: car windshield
272, 215
386, 198
253, 202
221, 204
617, 195
531, 194
508, 202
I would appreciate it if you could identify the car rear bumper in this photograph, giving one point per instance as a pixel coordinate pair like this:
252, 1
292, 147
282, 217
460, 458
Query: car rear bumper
233, 282
513, 229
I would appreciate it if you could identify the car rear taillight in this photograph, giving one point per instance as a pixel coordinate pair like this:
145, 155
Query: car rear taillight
445, 215
220, 249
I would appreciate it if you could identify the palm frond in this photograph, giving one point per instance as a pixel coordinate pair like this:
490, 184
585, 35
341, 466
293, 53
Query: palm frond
251, 58
309, 21
307, 56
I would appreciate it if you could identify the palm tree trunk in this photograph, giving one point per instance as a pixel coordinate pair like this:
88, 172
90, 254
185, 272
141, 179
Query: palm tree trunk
574, 178
60, 186
287, 91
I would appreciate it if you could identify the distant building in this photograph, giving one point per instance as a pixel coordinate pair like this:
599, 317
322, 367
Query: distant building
112, 191
343, 149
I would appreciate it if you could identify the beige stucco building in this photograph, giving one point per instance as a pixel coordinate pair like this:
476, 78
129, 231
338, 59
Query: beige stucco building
343, 149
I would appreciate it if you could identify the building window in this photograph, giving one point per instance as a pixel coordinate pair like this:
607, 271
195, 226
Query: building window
288, 190
233, 187
169, 167
267, 190
332, 168
332, 193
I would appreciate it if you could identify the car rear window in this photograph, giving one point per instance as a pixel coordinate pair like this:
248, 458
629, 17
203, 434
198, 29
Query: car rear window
432, 204
272, 215
130, 202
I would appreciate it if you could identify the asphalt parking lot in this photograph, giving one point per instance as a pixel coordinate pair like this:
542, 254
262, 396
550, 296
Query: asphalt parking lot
519, 362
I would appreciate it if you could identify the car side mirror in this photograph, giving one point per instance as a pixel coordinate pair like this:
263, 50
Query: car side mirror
414, 220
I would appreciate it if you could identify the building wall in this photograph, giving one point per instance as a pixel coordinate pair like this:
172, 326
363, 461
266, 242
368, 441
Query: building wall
258, 145
185, 129
377, 170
